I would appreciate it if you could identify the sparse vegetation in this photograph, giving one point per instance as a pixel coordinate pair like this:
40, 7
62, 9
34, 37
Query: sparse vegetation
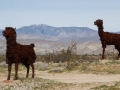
116, 86
108, 67
32, 84
2, 58
100, 68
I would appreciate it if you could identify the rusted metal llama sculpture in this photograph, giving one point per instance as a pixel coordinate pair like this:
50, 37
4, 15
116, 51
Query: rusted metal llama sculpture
17, 53
107, 38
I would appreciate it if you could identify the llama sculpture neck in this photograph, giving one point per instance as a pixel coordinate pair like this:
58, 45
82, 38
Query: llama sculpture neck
100, 30
11, 42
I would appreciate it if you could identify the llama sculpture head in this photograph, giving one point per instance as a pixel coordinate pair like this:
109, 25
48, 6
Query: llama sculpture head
98, 22
9, 32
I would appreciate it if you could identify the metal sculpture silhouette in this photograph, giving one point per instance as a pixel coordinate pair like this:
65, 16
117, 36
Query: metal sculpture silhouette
17, 53
107, 38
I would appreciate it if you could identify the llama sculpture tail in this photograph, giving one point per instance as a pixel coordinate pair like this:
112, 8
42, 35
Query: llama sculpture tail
32, 45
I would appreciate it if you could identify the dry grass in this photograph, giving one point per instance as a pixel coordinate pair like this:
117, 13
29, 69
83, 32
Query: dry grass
27, 83
115, 86
101, 67
109, 67
31, 84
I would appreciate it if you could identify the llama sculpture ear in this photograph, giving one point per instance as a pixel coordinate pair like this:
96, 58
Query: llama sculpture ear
15, 32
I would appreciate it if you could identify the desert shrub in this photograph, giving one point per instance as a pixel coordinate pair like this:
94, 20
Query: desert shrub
111, 56
57, 70
68, 55
88, 58
42, 66
2, 58
106, 87
3, 64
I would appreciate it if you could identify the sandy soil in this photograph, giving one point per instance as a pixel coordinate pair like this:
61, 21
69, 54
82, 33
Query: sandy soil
81, 81
74, 77
84, 81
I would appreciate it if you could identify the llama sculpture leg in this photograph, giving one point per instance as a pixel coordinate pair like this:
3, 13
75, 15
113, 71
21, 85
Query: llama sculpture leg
16, 71
27, 66
103, 53
103, 46
118, 56
9, 71
32, 70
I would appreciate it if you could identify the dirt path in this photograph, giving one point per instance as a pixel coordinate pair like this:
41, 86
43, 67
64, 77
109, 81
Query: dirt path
79, 81
74, 77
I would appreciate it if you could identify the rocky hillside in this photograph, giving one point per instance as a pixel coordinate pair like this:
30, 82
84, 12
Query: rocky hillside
42, 46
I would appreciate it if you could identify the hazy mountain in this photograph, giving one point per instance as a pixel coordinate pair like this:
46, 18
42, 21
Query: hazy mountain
46, 32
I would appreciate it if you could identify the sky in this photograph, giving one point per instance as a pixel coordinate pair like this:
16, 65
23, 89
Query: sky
60, 13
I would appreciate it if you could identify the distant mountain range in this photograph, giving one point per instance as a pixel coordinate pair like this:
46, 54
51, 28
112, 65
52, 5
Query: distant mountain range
45, 32
49, 39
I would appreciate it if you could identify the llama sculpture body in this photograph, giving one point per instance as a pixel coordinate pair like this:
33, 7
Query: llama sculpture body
107, 38
17, 53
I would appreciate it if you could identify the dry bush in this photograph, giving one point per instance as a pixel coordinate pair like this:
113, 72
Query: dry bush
68, 55
2, 58
42, 66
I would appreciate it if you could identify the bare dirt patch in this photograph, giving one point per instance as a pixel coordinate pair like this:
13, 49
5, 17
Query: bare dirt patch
74, 77
82, 81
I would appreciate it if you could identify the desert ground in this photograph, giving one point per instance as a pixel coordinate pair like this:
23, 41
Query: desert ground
103, 75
